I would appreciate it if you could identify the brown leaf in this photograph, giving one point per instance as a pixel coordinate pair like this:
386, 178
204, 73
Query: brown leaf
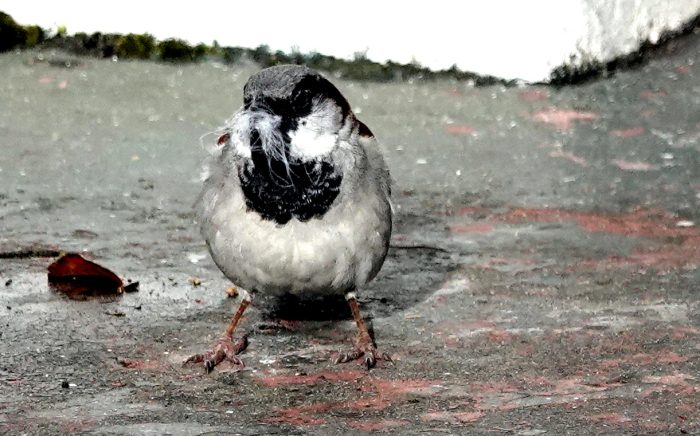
81, 279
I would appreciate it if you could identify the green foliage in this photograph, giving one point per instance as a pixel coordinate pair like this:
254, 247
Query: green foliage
231, 55
260, 54
199, 51
97, 44
133, 46
35, 36
177, 50
136, 46
11, 34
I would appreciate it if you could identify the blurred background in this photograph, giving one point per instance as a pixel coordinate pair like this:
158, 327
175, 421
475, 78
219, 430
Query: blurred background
508, 39
544, 268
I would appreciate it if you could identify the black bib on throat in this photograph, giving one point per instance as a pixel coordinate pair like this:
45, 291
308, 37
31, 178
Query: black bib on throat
280, 192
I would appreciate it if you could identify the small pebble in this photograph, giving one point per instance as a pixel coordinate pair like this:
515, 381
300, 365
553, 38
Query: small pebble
131, 287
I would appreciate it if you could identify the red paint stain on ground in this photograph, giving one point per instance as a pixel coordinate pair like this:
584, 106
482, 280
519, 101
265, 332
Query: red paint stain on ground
308, 415
687, 408
449, 332
677, 383
567, 389
648, 93
398, 388
663, 357
481, 228
672, 254
683, 332
676, 379
609, 364
472, 210
310, 379
639, 222
569, 156
563, 119
525, 350
610, 418
636, 165
627, 133
382, 394
459, 130
369, 425
300, 416
453, 417
500, 336
77, 426
533, 95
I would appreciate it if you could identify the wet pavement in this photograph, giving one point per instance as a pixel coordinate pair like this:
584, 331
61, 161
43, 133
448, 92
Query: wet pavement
543, 275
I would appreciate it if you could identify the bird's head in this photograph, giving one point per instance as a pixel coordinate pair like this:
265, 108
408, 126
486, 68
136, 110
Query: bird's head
290, 113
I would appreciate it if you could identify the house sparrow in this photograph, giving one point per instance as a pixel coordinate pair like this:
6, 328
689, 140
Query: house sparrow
296, 201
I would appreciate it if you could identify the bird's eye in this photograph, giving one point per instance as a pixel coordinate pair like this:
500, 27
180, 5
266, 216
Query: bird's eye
302, 99
302, 95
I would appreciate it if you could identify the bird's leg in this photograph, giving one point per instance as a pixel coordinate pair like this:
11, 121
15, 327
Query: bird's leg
226, 347
364, 344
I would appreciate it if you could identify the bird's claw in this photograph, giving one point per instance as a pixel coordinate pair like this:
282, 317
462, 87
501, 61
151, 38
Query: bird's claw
368, 352
225, 349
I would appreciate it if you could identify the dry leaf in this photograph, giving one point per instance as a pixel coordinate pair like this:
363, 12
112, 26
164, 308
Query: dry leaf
81, 279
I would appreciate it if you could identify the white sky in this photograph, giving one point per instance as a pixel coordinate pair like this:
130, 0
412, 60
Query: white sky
506, 38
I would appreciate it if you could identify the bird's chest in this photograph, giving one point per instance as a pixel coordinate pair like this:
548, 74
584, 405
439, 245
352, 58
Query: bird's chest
339, 251
281, 189
318, 255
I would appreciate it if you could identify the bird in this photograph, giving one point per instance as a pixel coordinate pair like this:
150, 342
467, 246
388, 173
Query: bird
295, 201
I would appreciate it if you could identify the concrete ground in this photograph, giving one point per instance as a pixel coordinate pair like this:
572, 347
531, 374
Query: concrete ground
543, 277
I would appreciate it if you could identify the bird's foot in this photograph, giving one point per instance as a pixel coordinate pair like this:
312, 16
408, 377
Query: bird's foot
364, 349
225, 349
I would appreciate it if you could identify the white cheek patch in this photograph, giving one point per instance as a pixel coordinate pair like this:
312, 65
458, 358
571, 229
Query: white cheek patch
309, 143
316, 134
